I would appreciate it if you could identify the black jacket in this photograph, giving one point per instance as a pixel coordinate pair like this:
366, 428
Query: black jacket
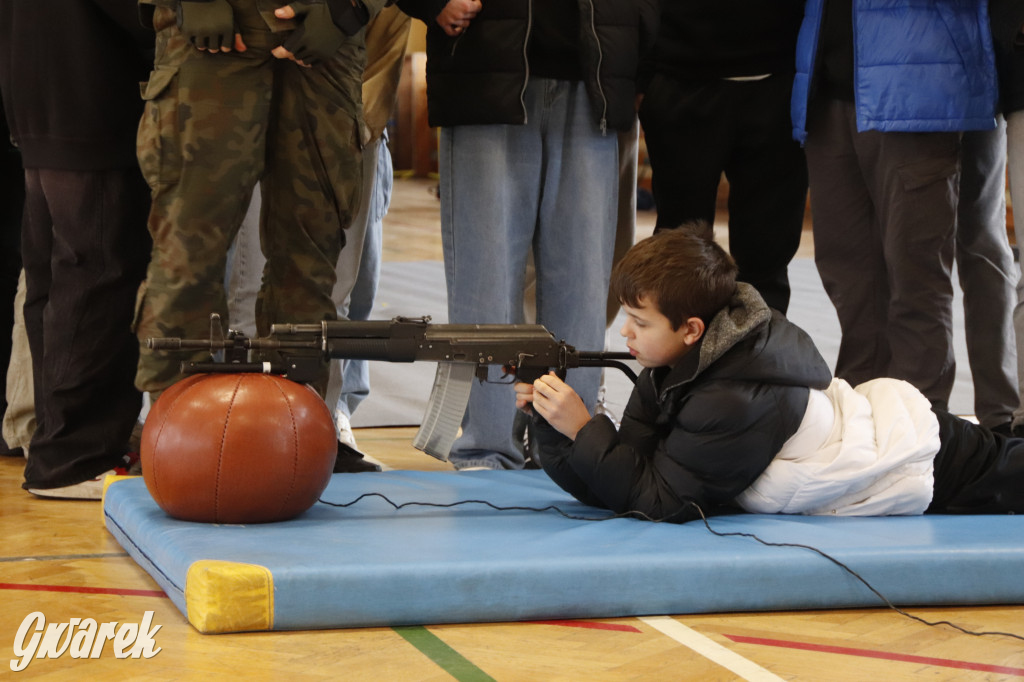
70, 73
702, 39
1007, 16
702, 431
479, 76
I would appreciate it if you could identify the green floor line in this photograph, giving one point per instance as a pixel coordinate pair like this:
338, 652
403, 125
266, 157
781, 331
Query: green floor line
450, 660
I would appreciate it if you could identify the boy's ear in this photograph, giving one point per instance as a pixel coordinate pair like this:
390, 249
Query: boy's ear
694, 329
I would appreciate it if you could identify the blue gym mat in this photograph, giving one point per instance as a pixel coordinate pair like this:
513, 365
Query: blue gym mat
369, 564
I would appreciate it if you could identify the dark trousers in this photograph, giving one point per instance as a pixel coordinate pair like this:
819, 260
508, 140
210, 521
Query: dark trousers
976, 471
12, 199
697, 130
85, 249
884, 208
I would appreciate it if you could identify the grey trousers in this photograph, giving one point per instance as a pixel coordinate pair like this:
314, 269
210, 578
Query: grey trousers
884, 212
988, 275
1015, 153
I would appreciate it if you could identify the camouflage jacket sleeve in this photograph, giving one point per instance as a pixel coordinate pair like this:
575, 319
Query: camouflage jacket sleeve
375, 6
352, 15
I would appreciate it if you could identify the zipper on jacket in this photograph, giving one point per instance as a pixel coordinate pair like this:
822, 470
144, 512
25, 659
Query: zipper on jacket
526, 60
597, 75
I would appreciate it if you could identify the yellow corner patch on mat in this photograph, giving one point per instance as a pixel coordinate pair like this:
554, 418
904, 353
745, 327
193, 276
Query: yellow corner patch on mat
224, 596
106, 484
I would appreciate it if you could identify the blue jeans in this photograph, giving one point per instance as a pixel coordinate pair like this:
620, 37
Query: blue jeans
550, 186
358, 272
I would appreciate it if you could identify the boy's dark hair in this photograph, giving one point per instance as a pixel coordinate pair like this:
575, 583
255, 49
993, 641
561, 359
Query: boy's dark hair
682, 270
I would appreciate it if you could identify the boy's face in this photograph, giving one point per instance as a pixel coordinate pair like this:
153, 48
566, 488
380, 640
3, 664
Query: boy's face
650, 337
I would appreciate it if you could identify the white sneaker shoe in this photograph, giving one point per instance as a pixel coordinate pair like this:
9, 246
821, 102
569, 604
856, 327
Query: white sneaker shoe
86, 490
91, 489
346, 436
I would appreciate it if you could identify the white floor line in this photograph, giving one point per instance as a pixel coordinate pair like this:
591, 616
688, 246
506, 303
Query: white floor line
710, 650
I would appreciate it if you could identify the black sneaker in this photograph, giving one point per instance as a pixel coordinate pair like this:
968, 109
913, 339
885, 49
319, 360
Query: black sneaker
351, 461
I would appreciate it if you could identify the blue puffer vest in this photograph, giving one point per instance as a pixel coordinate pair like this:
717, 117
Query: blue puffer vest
919, 66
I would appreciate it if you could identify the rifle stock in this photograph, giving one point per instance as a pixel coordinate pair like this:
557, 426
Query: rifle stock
462, 351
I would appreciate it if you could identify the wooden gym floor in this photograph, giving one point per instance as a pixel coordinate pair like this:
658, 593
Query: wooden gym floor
58, 559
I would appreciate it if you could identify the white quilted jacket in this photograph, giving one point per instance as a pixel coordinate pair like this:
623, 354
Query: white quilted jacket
864, 451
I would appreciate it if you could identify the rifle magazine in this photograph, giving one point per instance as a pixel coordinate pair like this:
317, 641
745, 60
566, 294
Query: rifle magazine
445, 409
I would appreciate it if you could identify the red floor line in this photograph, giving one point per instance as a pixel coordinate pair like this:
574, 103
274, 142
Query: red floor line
886, 655
83, 590
588, 624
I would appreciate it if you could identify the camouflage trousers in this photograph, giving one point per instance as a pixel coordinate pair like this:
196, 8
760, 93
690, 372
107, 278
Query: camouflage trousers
214, 126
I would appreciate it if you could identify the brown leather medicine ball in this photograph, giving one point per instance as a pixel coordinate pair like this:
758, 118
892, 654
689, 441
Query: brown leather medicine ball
237, 448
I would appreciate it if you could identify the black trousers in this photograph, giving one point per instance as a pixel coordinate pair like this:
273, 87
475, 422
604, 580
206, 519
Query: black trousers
697, 130
85, 248
12, 199
976, 471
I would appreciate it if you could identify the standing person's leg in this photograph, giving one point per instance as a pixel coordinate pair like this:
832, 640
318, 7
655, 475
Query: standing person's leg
196, 213
1015, 156
625, 229
85, 254
988, 275
356, 376
575, 236
847, 242
489, 200
914, 180
347, 385
767, 175
625, 236
245, 270
12, 200
358, 271
20, 417
687, 144
311, 192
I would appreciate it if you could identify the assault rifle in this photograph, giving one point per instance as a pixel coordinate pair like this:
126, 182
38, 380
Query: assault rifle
461, 351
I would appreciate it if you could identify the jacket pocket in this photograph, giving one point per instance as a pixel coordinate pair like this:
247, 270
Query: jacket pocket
157, 147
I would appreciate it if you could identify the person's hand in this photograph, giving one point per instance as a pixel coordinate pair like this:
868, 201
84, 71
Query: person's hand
457, 14
316, 38
555, 400
524, 396
209, 25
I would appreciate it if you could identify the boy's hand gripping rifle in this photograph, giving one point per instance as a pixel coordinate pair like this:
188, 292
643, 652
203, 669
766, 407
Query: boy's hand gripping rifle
462, 351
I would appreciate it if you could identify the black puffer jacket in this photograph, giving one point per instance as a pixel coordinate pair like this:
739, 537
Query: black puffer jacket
702, 39
699, 432
70, 74
479, 76
1007, 16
